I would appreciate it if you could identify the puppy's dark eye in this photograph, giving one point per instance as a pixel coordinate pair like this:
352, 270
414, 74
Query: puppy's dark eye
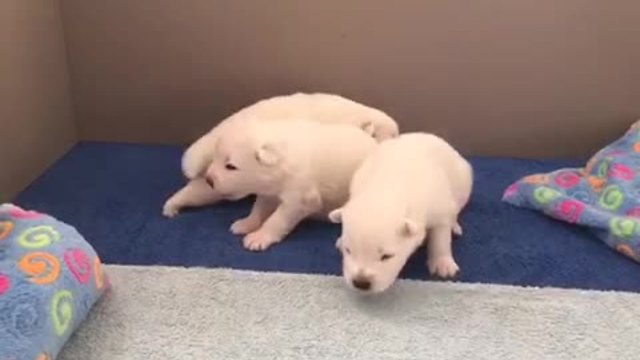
231, 167
385, 257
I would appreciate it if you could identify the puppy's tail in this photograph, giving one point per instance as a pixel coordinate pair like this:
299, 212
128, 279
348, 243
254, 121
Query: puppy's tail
380, 126
199, 156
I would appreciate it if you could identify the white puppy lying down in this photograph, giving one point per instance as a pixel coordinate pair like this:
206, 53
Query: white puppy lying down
320, 107
406, 187
297, 169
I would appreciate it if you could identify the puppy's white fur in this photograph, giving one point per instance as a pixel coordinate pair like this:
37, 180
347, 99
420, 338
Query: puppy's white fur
297, 169
411, 185
320, 107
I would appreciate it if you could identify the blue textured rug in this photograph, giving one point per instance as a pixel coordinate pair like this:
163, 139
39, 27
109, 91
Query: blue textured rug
113, 194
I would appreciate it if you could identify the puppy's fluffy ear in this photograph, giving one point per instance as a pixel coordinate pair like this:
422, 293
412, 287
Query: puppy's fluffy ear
267, 154
409, 228
336, 216
198, 156
369, 127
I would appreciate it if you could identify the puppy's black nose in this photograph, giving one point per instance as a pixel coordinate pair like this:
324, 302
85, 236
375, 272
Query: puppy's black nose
361, 284
209, 181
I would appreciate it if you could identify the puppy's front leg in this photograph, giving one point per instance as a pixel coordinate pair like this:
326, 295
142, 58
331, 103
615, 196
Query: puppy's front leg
262, 208
457, 229
196, 193
286, 217
440, 258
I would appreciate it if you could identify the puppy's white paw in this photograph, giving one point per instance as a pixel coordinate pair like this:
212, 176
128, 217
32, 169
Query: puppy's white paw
170, 209
457, 229
245, 226
259, 240
444, 267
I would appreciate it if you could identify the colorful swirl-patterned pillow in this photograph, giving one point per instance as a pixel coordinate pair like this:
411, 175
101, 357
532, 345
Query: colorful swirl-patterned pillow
604, 196
50, 277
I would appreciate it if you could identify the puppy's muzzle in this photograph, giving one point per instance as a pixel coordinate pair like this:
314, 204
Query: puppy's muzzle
361, 284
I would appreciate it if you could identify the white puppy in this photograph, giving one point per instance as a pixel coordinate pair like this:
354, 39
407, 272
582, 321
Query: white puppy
406, 187
320, 107
297, 169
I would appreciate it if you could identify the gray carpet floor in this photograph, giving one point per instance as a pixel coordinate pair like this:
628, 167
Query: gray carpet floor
174, 313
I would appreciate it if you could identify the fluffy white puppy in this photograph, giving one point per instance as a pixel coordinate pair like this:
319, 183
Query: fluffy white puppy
408, 186
320, 107
297, 169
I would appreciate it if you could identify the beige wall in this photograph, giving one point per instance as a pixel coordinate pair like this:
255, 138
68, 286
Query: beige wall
522, 78
36, 122
518, 78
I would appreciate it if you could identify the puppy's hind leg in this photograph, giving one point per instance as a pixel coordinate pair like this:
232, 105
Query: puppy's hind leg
262, 208
196, 193
284, 219
440, 258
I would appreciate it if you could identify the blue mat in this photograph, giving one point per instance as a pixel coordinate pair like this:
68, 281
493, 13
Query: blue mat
113, 194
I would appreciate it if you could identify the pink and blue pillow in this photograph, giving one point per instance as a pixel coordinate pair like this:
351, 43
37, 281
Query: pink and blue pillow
50, 278
604, 196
